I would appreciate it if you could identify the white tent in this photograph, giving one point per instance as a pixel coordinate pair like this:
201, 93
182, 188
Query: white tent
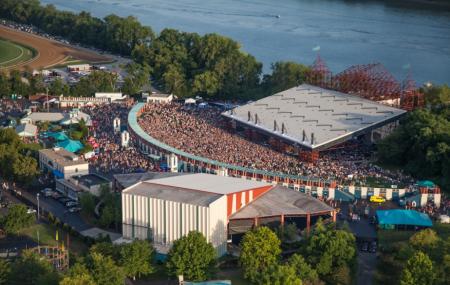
190, 101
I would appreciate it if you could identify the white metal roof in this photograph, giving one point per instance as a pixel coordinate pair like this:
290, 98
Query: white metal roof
209, 183
305, 112
45, 116
26, 130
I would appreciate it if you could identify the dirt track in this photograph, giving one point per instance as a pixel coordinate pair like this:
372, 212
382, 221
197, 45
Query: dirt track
50, 52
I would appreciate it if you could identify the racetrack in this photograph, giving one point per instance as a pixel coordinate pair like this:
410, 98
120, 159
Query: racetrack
48, 52
12, 53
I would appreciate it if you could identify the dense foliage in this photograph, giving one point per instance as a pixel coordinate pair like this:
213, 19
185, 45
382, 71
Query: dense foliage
15, 161
113, 33
193, 257
421, 144
260, 253
186, 64
423, 258
16, 219
31, 269
327, 254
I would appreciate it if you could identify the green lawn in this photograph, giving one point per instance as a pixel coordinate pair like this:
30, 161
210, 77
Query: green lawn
47, 236
12, 53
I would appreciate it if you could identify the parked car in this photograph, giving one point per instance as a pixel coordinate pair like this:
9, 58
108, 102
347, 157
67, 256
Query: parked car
373, 247
31, 211
56, 195
74, 209
365, 246
64, 200
71, 203
377, 199
47, 192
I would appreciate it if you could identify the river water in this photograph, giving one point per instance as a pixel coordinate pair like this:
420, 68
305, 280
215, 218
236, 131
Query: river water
400, 36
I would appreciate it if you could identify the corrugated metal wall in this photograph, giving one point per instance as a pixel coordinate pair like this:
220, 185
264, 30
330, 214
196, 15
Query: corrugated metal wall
166, 221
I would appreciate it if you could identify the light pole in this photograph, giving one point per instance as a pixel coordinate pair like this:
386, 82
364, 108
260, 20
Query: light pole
37, 198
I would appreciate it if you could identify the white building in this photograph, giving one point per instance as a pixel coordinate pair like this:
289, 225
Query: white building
74, 185
77, 102
159, 98
114, 96
62, 163
166, 209
78, 67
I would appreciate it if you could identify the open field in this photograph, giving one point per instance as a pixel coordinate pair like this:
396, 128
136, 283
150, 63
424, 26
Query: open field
12, 53
49, 52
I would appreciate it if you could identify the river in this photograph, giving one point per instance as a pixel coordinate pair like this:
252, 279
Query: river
400, 36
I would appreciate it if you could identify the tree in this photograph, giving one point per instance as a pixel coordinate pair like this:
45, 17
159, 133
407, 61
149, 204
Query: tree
285, 75
418, 270
303, 270
191, 256
287, 232
25, 168
78, 275
341, 276
138, 77
280, 275
328, 249
107, 249
421, 146
32, 269
17, 219
424, 240
136, 258
87, 203
260, 250
5, 269
105, 271
84, 279
58, 87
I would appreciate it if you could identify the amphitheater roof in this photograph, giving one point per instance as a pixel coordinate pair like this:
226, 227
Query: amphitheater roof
282, 201
170, 193
210, 183
313, 117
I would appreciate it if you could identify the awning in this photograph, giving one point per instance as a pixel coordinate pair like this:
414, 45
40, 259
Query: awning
403, 217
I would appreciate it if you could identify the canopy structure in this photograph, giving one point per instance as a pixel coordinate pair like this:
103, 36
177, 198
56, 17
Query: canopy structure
426, 183
26, 130
70, 145
391, 218
59, 136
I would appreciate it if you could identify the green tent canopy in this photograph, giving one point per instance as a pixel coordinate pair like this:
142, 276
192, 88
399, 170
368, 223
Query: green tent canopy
387, 218
71, 145
59, 136
426, 183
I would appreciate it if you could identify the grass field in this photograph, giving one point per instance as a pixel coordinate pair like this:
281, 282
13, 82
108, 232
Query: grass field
47, 236
12, 53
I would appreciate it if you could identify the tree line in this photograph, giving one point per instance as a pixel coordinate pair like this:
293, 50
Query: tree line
186, 64
421, 144
26, 84
423, 258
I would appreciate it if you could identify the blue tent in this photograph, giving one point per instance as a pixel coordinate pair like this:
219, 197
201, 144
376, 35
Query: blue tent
391, 218
426, 183
60, 136
70, 145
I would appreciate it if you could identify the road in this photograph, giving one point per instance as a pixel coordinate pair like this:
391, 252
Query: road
363, 231
50, 205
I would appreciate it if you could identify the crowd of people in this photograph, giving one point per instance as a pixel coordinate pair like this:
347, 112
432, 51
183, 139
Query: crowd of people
204, 132
112, 157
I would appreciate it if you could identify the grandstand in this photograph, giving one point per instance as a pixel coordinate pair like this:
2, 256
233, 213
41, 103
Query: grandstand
313, 118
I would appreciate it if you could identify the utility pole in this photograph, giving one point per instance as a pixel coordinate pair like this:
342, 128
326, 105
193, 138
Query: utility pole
48, 105
37, 198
